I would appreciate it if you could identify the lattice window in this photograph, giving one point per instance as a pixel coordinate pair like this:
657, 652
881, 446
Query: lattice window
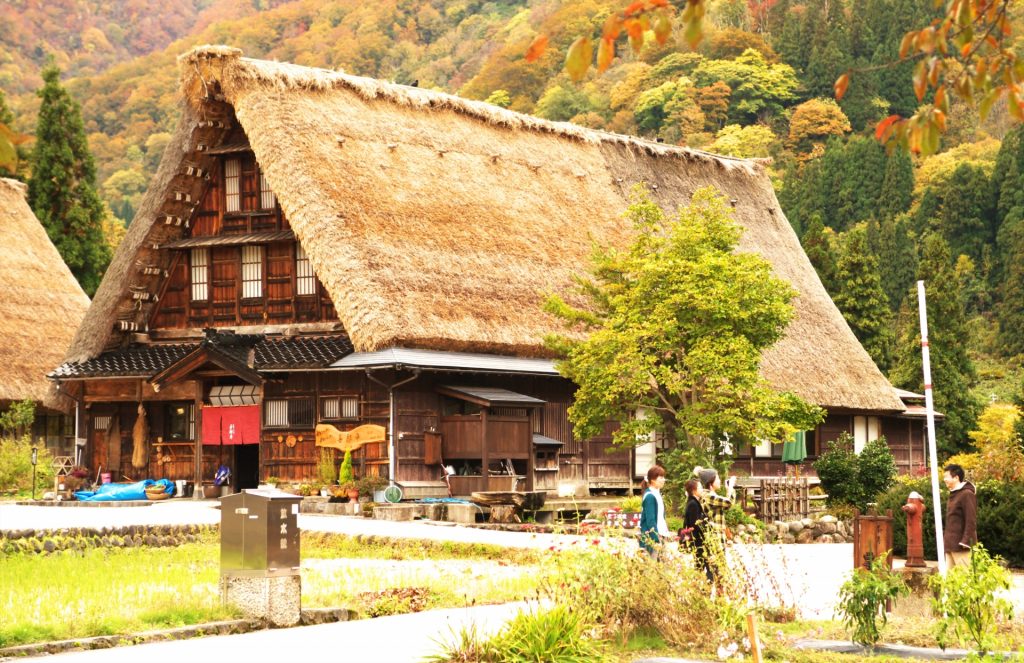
232, 185
200, 260
267, 198
305, 280
339, 407
252, 271
281, 412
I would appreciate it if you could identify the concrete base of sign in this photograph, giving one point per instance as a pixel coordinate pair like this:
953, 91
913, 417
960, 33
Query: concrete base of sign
276, 599
919, 601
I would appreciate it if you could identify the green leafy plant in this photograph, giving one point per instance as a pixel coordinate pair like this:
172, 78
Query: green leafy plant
345, 478
631, 504
367, 485
18, 418
862, 600
558, 635
325, 471
856, 479
967, 602
16, 465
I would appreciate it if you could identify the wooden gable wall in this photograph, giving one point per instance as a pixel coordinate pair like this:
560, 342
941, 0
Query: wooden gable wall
279, 301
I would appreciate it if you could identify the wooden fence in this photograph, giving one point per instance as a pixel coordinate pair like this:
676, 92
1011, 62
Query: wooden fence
783, 498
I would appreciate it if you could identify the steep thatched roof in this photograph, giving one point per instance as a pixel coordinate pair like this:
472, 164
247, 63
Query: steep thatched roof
438, 222
41, 303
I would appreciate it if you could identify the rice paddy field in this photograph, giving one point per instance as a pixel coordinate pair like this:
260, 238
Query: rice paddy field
67, 595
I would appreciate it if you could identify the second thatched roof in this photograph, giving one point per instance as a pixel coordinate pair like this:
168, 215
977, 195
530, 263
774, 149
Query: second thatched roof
438, 222
41, 303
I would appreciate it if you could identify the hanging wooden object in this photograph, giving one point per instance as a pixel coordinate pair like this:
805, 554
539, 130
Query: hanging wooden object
140, 446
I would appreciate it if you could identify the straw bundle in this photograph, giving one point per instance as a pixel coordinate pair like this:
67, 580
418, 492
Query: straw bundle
140, 445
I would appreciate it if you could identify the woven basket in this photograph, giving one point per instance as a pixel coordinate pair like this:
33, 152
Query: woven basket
156, 493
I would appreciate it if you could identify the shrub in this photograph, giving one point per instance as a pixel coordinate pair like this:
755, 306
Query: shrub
855, 479
16, 465
862, 600
557, 635
631, 504
345, 477
967, 600
325, 472
837, 469
876, 469
673, 599
1000, 517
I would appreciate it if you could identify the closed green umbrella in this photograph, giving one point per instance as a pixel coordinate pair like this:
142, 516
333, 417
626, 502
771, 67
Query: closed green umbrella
794, 450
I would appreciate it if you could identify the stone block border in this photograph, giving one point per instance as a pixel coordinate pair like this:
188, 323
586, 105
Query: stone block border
309, 617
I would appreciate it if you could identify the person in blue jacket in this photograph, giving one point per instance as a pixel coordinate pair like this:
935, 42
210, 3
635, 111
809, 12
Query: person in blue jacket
653, 527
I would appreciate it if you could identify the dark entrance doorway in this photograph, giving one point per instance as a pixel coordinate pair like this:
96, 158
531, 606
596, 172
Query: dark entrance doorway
247, 466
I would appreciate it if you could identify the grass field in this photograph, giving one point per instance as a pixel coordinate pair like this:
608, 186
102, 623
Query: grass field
121, 591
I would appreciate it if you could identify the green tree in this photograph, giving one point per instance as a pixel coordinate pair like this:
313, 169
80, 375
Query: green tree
1010, 310
500, 98
747, 142
897, 258
675, 325
818, 245
562, 102
760, 90
861, 298
62, 189
966, 218
952, 370
897, 184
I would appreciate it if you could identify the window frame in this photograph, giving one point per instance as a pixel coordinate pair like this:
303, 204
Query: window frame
199, 270
252, 271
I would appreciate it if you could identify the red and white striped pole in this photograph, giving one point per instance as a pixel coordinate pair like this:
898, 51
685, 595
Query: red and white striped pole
930, 409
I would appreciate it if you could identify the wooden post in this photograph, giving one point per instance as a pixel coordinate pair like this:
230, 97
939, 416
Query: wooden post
198, 460
755, 641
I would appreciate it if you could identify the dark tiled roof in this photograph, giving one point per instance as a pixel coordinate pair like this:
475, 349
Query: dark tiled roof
137, 361
270, 354
301, 352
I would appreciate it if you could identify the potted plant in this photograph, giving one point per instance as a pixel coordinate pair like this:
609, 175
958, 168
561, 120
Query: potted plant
346, 480
373, 486
629, 511
272, 481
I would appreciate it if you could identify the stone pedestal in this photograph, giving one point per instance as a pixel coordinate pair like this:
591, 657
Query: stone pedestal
919, 602
276, 599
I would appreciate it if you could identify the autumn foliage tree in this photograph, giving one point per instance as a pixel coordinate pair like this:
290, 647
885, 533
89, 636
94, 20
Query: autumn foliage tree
674, 325
813, 122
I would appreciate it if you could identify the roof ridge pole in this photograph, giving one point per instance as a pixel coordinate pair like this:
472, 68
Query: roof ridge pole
930, 410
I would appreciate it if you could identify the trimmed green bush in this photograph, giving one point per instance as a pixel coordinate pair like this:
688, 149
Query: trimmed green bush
854, 479
16, 466
1000, 516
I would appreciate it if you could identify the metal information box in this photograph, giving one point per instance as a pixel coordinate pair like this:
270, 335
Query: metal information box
259, 533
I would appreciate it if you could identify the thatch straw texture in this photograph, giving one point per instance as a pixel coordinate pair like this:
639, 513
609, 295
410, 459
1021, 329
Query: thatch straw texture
439, 222
41, 303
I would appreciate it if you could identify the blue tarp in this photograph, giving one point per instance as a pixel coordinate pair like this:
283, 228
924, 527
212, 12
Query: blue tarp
116, 492
442, 500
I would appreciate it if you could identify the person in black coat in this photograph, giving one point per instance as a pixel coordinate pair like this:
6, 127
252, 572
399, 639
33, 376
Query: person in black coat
694, 524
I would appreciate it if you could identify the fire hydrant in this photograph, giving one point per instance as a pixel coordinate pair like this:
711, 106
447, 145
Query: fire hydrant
914, 508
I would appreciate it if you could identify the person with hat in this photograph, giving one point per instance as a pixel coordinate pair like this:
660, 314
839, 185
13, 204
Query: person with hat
716, 505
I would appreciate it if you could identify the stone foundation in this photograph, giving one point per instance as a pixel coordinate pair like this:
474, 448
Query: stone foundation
275, 599
826, 529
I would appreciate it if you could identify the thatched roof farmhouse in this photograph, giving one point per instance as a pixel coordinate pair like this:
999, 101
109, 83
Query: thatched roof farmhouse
434, 224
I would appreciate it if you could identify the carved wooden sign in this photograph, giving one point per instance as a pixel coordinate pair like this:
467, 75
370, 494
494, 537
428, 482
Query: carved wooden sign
329, 436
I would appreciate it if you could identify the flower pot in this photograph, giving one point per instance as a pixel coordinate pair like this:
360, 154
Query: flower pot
353, 495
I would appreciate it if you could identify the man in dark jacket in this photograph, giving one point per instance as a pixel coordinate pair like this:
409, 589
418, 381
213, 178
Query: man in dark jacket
961, 517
